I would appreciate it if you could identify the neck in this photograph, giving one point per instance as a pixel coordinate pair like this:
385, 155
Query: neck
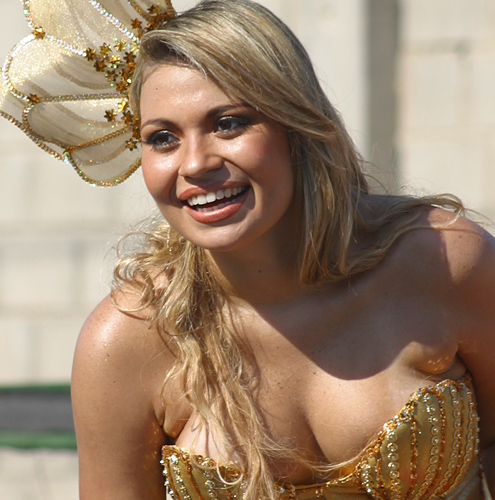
264, 273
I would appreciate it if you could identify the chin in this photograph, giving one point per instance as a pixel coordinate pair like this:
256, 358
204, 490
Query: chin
220, 245
221, 240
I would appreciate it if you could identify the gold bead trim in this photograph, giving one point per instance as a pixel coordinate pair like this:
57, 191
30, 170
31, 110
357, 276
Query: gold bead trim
441, 419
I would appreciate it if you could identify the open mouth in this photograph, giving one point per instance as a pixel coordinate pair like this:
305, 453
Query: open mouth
216, 200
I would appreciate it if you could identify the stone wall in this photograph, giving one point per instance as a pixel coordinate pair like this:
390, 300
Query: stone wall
446, 95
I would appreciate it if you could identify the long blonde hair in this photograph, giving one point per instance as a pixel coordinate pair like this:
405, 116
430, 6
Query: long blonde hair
253, 57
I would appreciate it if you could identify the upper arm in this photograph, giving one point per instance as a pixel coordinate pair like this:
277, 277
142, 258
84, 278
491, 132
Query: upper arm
472, 259
117, 372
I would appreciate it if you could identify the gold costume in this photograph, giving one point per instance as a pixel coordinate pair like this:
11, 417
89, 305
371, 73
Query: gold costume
428, 450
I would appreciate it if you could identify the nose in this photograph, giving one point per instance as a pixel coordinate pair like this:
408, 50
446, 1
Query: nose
199, 156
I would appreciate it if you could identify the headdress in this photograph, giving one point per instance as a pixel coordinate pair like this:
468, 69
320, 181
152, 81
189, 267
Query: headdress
67, 85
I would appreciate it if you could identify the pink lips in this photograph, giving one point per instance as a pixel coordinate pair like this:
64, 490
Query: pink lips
226, 211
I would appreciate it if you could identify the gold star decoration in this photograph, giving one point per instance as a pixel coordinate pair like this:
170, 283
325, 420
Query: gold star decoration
120, 46
129, 58
110, 115
100, 65
111, 76
131, 144
105, 50
119, 66
122, 87
114, 62
90, 54
153, 10
123, 105
137, 24
128, 117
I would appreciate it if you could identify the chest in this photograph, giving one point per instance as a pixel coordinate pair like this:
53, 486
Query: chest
426, 451
332, 372
332, 377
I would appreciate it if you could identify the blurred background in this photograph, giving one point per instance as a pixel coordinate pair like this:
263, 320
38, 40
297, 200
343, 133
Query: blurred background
415, 83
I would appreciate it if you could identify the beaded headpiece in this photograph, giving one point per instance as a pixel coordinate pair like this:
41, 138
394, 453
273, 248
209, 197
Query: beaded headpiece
67, 84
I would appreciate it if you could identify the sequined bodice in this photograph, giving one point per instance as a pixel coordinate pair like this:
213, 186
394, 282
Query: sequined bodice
428, 450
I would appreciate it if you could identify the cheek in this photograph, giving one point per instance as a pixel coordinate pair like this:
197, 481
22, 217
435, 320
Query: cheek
277, 165
157, 176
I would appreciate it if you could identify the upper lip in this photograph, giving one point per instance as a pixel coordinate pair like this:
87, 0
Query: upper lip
204, 190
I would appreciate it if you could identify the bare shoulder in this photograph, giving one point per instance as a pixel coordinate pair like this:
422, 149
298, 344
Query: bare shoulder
467, 252
114, 343
439, 240
455, 259
120, 351
468, 248
119, 367
471, 255
118, 337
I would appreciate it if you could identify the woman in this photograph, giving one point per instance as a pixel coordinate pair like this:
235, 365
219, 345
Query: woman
290, 312
283, 332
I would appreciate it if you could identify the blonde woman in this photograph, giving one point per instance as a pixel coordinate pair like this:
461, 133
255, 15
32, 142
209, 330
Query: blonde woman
282, 314
282, 333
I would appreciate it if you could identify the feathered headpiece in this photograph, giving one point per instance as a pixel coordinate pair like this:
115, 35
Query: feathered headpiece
67, 85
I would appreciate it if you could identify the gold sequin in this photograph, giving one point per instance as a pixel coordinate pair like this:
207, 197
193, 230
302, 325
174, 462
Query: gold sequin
426, 452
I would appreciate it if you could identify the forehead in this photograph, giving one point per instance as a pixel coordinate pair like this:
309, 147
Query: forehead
178, 85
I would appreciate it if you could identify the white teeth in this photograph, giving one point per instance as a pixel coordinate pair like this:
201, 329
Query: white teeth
203, 199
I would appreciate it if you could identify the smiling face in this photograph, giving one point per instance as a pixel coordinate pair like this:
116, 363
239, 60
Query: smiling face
219, 171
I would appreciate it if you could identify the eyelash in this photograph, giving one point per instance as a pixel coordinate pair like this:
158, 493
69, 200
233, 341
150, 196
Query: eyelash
241, 122
156, 140
236, 124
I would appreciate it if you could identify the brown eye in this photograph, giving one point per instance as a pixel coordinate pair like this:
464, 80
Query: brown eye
230, 125
162, 139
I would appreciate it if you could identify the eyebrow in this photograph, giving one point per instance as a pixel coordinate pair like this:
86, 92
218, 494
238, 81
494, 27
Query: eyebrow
212, 113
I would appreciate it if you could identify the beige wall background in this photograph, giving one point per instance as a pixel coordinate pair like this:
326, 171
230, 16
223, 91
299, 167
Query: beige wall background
58, 234
446, 95
415, 82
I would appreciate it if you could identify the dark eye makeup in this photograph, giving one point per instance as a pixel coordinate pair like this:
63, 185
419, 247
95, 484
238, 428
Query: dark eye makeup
161, 139
228, 125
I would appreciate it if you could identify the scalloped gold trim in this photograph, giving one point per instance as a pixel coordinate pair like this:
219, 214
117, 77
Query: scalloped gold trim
69, 160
